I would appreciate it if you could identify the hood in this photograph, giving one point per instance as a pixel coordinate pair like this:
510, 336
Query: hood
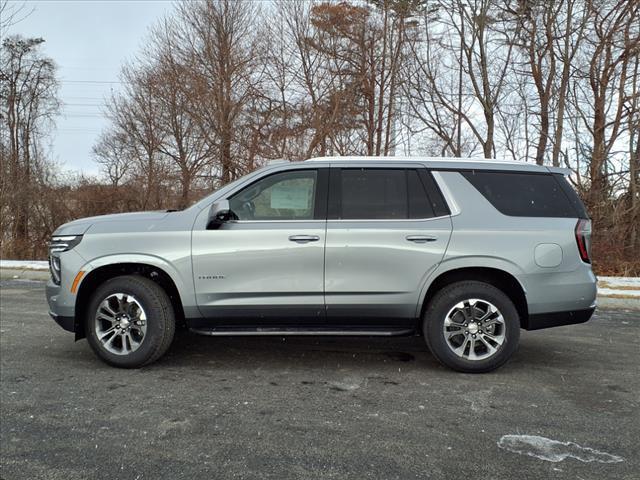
81, 225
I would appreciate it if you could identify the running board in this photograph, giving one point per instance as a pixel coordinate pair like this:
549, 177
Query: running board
230, 331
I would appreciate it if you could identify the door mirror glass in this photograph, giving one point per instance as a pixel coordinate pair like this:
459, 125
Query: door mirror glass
219, 214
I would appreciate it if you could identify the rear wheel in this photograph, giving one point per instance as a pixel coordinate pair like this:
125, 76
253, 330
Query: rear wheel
471, 326
130, 321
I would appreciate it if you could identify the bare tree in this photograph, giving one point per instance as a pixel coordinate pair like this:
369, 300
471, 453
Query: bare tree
465, 69
633, 237
218, 39
134, 113
111, 153
182, 137
601, 100
11, 13
28, 89
568, 44
437, 100
536, 35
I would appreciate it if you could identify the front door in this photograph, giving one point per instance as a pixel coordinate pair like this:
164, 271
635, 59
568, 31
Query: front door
385, 236
267, 266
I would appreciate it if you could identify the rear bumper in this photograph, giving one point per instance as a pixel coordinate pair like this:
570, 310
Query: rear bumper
560, 291
538, 321
67, 323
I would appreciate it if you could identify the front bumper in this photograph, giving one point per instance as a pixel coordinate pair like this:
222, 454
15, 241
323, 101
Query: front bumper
539, 321
62, 303
67, 323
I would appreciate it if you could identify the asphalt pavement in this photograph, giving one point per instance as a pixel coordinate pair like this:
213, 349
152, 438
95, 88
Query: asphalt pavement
566, 406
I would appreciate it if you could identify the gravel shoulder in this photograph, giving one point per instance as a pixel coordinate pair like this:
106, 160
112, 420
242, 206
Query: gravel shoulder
316, 407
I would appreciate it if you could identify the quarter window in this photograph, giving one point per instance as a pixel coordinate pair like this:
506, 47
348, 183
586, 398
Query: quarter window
527, 194
283, 196
419, 204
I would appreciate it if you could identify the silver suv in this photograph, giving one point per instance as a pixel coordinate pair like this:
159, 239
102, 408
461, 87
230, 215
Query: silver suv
464, 252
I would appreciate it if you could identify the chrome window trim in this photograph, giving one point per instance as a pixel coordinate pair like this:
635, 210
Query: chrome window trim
314, 220
388, 219
236, 222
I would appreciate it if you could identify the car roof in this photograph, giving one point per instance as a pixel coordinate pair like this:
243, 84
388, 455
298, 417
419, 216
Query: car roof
443, 163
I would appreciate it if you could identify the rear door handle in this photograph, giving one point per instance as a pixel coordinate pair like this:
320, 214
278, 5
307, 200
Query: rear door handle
421, 238
304, 238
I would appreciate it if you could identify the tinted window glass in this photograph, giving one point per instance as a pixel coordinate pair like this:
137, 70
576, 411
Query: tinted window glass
373, 194
283, 196
572, 195
523, 194
440, 207
419, 204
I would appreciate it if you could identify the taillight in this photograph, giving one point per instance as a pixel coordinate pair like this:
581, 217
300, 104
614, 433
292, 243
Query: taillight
583, 239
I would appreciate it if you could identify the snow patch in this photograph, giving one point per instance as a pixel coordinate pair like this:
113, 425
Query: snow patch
611, 292
553, 450
621, 281
25, 264
620, 287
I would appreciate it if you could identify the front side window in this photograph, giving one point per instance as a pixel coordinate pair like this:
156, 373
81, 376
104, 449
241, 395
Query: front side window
283, 196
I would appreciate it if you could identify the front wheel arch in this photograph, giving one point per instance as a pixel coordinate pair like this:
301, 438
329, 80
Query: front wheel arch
98, 276
130, 321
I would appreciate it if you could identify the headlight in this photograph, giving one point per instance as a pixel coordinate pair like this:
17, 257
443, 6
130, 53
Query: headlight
58, 245
54, 268
63, 243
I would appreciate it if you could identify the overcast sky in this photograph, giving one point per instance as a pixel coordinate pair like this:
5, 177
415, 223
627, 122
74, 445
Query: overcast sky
89, 40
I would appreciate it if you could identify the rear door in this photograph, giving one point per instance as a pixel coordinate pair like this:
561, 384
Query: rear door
388, 228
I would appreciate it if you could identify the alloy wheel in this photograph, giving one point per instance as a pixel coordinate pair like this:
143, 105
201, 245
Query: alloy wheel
474, 329
120, 323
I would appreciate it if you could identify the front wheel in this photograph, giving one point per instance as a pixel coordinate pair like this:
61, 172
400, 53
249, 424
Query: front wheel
130, 321
471, 327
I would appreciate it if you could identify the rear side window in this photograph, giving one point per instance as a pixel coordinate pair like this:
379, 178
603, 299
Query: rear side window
373, 193
526, 194
382, 193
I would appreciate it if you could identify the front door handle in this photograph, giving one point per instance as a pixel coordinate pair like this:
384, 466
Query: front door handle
304, 238
421, 238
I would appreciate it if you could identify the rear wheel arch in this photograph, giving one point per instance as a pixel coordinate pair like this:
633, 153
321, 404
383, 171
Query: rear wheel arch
98, 276
500, 279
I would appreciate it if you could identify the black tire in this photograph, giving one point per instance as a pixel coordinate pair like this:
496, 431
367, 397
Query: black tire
160, 322
444, 301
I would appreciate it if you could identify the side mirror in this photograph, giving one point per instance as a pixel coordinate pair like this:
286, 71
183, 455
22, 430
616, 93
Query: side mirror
219, 214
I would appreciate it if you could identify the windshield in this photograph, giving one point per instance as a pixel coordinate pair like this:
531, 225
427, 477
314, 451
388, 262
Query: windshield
221, 191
